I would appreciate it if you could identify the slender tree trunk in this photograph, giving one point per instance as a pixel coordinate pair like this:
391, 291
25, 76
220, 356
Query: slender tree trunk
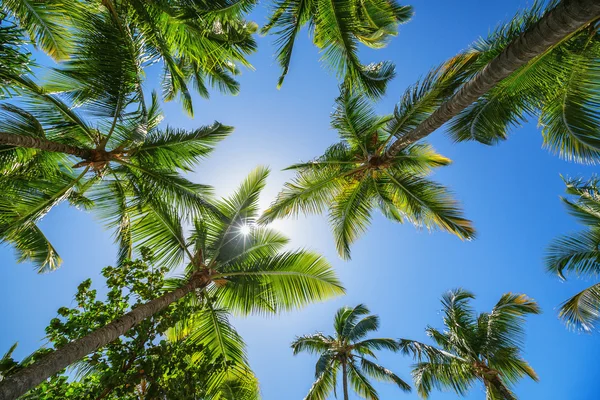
31, 142
28, 378
345, 379
501, 387
566, 18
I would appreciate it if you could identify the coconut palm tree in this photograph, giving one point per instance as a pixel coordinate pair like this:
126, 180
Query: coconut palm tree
88, 137
337, 28
579, 254
483, 347
230, 269
543, 62
524, 66
198, 42
349, 351
351, 178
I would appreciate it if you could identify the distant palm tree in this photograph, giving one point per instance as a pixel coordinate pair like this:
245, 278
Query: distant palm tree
338, 27
348, 351
483, 347
579, 254
351, 178
198, 42
229, 269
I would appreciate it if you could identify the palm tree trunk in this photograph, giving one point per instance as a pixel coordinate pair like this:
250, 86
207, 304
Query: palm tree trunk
345, 379
566, 18
504, 391
31, 142
26, 379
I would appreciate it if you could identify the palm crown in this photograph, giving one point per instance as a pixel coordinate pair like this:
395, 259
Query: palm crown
353, 177
483, 347
578, 254
350, 351
250, 272
337, 28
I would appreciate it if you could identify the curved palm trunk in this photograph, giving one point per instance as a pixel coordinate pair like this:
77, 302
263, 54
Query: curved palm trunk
31, 142
28, 378
566, 18
501, 387
345, 379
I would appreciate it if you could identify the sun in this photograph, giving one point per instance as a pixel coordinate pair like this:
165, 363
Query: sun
245, 230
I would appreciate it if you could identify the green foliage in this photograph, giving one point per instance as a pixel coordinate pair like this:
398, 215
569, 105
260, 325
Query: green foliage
348, 351
483, 347
353, 177
559, 87
337, 28
578, 254
250, 273
147, 362
131, 175
199, 43
16, 60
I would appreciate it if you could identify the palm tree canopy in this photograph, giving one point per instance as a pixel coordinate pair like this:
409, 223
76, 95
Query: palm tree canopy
474, 347
125, 167
578, 254
337, 28
199, 43
250, 272
351, 178
350, 346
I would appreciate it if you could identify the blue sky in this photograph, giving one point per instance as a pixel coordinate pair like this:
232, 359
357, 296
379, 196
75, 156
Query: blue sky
510, 191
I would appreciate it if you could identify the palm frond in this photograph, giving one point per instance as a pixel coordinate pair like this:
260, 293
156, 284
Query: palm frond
178, 148
360, 383
286, 281
350, 214
425, 203
582, 311
383, 374
46, 22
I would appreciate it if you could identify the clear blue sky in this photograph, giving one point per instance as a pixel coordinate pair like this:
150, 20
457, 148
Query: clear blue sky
510, 191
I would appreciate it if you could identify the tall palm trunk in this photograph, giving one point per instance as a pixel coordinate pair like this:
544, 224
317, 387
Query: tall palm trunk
29, 377
501, 387
345, 379
566, 18
32, 142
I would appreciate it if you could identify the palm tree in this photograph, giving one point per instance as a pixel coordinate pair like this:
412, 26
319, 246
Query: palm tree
349, 351
228, 271
337, 28
123, 167
198, 42
484, 347
352, 178
579, 254
544, 61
